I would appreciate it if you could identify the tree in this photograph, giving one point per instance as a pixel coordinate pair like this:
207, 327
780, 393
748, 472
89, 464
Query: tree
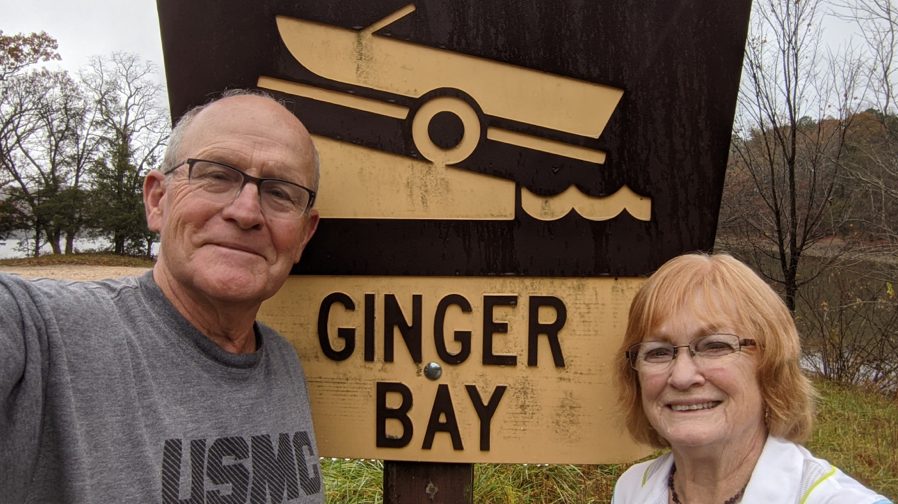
872, 169
49, 172
852, 316
32, 148
20, 101
20, 51
810, 182
794, 110
875, 167
16, 122
59, 137
133, 128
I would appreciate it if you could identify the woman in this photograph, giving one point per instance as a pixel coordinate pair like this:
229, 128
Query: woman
709, 367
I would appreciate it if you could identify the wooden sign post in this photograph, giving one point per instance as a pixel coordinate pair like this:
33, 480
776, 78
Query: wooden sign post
428, 483
496, 179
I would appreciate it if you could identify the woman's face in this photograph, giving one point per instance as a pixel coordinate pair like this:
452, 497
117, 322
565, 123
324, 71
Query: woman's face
703, 403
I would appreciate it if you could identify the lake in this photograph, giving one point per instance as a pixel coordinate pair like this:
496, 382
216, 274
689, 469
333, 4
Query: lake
11, 248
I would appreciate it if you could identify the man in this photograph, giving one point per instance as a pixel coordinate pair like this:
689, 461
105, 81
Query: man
164, 388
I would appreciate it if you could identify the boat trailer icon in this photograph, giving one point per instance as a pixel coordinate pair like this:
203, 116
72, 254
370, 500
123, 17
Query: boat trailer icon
439, 81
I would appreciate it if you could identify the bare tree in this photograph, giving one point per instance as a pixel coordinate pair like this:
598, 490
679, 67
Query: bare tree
875, 168
795, 106
46, 173
877, 23
45, 145
134, 128
42, 113
59, 137
18, 52
18, 122
852, 317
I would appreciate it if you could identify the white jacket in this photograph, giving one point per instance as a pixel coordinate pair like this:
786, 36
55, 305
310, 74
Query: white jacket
785, 473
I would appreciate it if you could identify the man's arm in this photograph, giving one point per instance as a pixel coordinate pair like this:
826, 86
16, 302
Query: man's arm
22, 377
12, 343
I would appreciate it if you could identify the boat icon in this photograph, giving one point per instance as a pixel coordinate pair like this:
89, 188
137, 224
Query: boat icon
475, 92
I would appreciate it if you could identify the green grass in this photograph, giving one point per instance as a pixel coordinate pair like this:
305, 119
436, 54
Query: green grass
544, 484
856, 431
361, 482
353, 481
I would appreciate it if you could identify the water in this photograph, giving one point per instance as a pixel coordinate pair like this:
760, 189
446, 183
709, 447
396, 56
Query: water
11, 247
865, 375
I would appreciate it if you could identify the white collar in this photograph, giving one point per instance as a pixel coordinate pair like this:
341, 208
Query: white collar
777, 474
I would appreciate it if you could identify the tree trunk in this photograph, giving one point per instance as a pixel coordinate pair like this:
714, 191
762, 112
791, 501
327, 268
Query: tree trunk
70, 243
53, 240
36, 251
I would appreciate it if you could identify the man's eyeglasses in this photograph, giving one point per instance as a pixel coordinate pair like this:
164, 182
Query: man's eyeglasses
657, 356
221, 183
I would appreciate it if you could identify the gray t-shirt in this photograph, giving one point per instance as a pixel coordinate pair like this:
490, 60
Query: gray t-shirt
107, 394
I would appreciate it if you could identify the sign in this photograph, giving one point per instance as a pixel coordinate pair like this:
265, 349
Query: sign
496, 178
525, 366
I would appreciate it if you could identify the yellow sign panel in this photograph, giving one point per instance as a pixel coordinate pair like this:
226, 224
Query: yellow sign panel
450, 369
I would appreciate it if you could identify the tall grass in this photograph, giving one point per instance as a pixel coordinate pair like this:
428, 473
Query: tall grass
353, 481
361, 482
857, 431
544, 484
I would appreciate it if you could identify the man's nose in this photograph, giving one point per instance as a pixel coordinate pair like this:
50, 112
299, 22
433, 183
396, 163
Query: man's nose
246, 208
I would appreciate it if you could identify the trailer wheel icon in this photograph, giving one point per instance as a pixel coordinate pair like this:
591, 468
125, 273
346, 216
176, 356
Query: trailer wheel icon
446, 130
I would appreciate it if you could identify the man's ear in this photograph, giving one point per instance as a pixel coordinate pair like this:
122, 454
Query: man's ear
153, 192
308, 230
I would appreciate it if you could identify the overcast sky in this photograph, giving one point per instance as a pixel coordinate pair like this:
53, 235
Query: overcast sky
86, 28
